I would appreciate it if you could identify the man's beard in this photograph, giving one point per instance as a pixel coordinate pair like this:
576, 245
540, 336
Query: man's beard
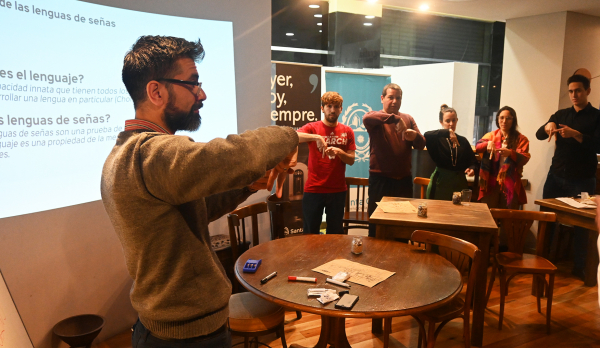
177, 119
331, 118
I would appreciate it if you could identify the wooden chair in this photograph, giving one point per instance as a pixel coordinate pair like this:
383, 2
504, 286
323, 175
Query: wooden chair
461, 254
423, 182
516, 224
250, 315
360, 217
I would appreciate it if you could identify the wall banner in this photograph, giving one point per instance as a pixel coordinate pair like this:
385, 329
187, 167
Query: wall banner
295, 101
361, 93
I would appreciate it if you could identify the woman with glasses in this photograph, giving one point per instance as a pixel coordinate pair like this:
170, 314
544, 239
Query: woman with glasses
504, 152
452, 155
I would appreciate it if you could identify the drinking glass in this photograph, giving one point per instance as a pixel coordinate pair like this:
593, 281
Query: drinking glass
466, 196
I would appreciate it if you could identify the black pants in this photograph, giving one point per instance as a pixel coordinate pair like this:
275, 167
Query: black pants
312, 209
556, 186
380, 186
142, 338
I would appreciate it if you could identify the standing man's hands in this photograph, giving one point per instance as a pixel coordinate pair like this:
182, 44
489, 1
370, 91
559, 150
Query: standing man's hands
407, 133
568, 132
550, 129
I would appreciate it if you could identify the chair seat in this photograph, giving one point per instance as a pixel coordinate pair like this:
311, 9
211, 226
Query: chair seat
526, 263
250, 313
447, 311
356, 216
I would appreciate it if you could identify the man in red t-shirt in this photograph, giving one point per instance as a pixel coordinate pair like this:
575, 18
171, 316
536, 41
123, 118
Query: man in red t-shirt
331, 146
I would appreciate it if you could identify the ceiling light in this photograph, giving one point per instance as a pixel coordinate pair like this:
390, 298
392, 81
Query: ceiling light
368, 24
319, 24
320, 31
369, 17
318, 15
289, 34
372, 1
424, 7
314, 6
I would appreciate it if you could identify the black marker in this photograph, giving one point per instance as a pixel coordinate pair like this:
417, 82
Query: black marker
267, 278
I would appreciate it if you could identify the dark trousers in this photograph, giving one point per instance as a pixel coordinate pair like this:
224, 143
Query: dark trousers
141, 338
312, 209
556, 186
380, 186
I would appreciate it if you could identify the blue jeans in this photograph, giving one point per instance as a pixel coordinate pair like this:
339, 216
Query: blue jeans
141, 338
556, 186
312, 210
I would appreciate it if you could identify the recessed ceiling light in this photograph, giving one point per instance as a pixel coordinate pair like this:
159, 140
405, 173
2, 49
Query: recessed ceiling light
368, 24
424, 7
289, 34
320, 31
314, 6
318, 15
369, 17
319, 24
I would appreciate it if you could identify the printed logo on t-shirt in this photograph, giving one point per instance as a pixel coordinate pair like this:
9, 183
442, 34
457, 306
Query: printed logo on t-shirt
332, 139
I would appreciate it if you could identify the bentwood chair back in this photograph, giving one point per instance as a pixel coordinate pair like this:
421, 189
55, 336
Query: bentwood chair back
466, 257
359, 218
423, 182
516, 225
250, 315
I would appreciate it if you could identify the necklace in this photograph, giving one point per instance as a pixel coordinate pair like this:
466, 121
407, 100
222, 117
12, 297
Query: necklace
454, 159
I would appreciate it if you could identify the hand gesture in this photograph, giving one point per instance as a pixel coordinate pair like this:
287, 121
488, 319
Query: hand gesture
281, 171
491, 148
400, 126
567, 132
550, 129
409, 134
321, 143
504, 151
469, 172
332, 151
453, 139
260, 184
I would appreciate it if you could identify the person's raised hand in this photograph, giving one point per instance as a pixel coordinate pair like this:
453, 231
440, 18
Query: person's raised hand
321, 143
400, 126
567, 132
550, 129
453, 139
332, 151
409, 135
281, 171
491, 147
260, 184
469, 172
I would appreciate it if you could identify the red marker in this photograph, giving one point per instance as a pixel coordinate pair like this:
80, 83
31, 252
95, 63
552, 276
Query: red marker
303, 279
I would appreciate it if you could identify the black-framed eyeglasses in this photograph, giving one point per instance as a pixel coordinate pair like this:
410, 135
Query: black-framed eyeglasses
190, 83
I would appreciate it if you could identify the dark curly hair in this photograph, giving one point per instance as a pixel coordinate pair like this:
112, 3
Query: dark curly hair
154, 57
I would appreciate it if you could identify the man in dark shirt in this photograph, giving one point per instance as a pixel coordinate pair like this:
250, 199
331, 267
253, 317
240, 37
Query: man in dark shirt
573, 170
392, 136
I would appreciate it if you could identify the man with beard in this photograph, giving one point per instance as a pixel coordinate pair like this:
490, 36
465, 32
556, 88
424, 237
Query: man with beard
331, 147
392, 135
161, 191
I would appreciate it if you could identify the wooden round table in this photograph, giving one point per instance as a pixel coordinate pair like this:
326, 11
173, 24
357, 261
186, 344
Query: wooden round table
423, 281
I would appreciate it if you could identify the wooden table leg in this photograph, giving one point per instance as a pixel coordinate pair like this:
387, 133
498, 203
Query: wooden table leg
333, 332
591, 259
376, 326
479, 291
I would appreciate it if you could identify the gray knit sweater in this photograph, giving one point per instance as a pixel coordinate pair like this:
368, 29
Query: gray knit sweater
160, 192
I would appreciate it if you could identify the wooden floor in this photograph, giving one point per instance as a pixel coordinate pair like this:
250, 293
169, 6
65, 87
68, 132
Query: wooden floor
575, 322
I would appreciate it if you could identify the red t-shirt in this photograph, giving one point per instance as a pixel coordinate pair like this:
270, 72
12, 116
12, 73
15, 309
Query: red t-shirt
327, 175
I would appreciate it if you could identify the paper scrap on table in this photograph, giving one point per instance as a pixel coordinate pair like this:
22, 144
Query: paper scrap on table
359, 273
397, 207
575, 204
